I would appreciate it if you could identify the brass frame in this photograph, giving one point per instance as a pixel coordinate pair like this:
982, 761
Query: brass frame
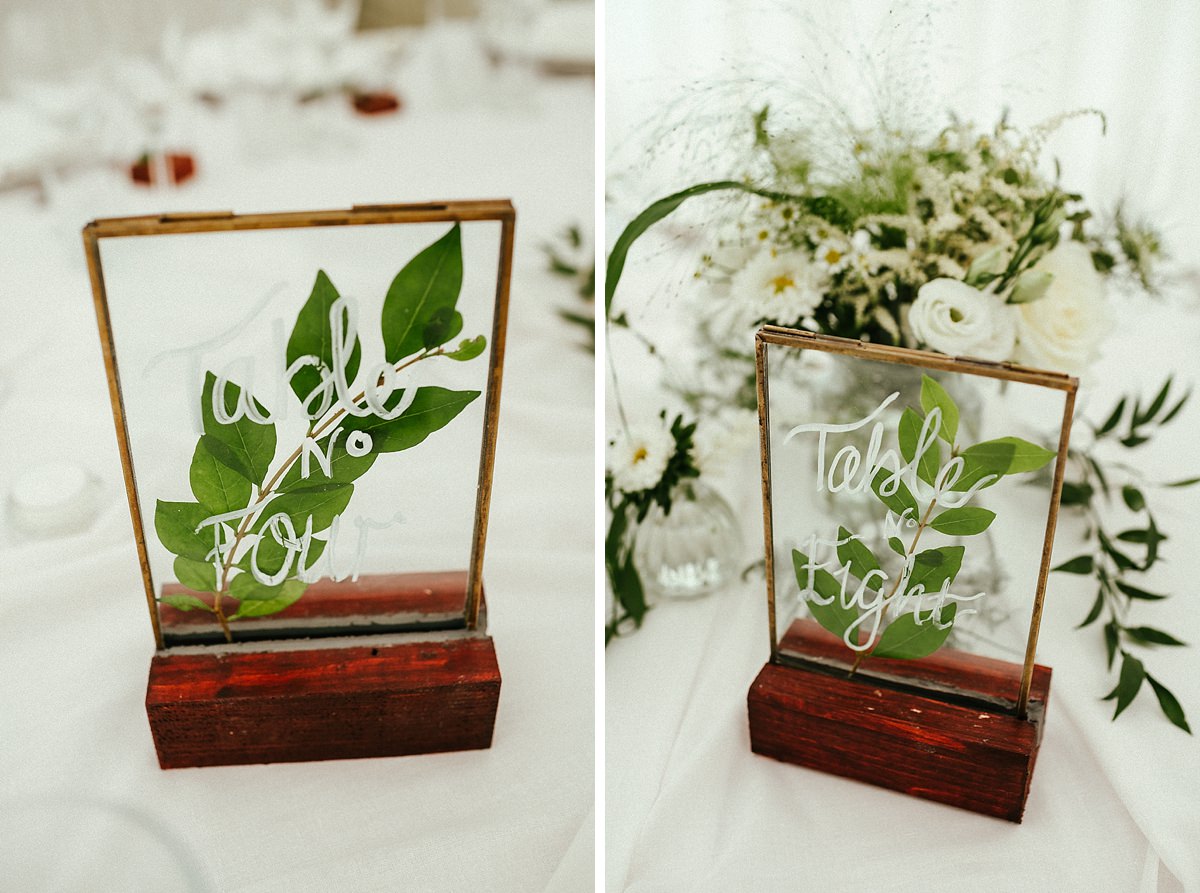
795, 338
499, 210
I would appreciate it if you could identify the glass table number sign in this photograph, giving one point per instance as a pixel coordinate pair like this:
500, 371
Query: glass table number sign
306, 409
909, 504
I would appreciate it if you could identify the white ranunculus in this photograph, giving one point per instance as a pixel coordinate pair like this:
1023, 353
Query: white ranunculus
952, 317
1062, 330
639, 456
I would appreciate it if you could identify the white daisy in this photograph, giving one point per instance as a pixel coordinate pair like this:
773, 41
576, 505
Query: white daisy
638, 457
782, 288
833, 255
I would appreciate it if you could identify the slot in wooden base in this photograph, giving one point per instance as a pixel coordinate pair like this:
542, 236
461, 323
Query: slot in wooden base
297, 699
950, 746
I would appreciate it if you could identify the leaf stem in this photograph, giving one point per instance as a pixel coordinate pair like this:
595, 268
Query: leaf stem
912, 548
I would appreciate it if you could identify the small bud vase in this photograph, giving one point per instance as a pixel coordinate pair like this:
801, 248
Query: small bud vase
691, 551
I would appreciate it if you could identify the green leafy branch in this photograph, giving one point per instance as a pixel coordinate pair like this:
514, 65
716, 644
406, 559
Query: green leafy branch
278, 508
921, 573
1094, 484
627, 511
563, 260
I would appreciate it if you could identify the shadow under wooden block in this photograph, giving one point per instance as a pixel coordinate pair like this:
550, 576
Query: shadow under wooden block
381, 667
943, 728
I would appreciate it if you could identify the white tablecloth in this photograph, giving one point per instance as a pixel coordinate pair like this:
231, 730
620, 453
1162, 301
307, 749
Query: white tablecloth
75, 641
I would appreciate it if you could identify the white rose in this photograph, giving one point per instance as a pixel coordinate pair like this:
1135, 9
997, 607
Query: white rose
954, 318
638, 457
1063, 329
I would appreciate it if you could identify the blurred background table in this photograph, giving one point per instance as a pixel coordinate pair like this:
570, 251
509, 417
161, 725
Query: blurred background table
81, 787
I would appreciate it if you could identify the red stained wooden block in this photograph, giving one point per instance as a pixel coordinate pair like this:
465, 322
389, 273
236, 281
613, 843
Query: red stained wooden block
950, 747
375, 602
313, 699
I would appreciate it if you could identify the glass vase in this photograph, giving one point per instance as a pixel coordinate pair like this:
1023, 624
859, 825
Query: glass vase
691, 551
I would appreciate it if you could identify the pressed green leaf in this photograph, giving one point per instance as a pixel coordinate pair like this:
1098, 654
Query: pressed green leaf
1094, 613
215, 485
322, 503
1008, 455
1186, 482
905, 639
835, 616
343, 468
470, 348
444, 324
428, 283
933, 568
1133, 497
1113, 420
271, 554
259, 600
897, 546
1129, 683
1080, 564
986, 460
1148, 635
1134, 592
1134, 440
862, 560
909, 433
199, 576
934, 395
899, 501
966, 520
431, 410
1170, 706
313, 336
176, 523
250, 444
185, 603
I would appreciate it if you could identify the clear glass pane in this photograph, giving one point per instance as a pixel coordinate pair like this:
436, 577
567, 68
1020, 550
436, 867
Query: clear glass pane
359, 455
909, 511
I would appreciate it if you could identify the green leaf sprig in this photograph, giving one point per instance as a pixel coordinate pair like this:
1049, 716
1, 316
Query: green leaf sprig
929, 570
275, 508
1116, 560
